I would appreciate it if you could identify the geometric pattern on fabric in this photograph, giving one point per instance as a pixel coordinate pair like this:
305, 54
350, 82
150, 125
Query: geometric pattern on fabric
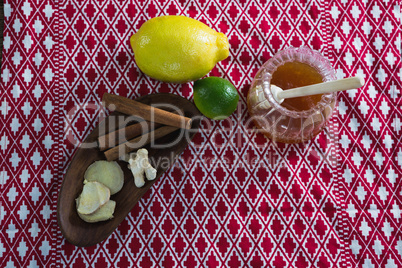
233, 198
30, 133
369, 130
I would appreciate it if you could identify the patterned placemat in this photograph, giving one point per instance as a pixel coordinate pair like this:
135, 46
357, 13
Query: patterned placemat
233, 198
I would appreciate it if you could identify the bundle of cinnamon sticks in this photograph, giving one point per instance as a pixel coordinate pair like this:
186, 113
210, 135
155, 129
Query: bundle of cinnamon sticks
153, 123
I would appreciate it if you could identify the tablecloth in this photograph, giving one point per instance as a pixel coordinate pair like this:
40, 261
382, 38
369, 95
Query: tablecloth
233, 198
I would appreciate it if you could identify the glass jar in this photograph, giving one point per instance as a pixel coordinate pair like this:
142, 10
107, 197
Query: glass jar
294, 120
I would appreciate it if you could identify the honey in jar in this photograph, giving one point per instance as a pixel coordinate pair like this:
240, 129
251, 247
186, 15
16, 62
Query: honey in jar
297, 74
295, 119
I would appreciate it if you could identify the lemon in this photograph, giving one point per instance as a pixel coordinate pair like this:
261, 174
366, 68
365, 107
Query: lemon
215, 97
177, 49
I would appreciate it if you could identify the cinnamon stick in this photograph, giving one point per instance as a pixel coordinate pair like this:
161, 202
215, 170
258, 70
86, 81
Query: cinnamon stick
119, 136
149, 113
129, 146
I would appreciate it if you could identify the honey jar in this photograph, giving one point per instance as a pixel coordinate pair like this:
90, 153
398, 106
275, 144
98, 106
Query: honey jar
294, 120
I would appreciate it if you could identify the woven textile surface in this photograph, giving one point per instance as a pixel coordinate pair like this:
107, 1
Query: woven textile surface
233, 198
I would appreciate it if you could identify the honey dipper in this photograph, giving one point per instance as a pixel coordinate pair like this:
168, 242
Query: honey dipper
321, 88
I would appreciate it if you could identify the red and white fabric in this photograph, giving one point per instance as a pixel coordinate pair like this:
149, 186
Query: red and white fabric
233, 198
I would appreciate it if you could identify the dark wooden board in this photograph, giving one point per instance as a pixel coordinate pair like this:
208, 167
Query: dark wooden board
84, 234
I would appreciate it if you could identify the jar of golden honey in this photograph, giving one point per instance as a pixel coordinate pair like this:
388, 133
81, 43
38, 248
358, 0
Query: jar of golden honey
298, 119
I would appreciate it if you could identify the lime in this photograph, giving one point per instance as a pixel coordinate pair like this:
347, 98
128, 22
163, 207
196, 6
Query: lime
177, 49
215, 97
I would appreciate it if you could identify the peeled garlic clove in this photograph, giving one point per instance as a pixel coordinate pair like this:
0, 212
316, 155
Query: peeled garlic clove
104, 213
93, 196
108, 173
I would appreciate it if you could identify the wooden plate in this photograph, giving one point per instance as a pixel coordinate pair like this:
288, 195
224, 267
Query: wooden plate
83, 234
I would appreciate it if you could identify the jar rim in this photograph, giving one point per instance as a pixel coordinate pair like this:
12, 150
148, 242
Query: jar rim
303, 55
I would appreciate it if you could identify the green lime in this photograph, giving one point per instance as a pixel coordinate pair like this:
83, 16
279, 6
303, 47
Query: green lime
215, 97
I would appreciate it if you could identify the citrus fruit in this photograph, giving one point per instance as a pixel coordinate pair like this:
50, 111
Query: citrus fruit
177, 49
215, 97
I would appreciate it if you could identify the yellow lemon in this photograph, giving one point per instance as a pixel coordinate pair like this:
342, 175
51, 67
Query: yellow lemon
177, 49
